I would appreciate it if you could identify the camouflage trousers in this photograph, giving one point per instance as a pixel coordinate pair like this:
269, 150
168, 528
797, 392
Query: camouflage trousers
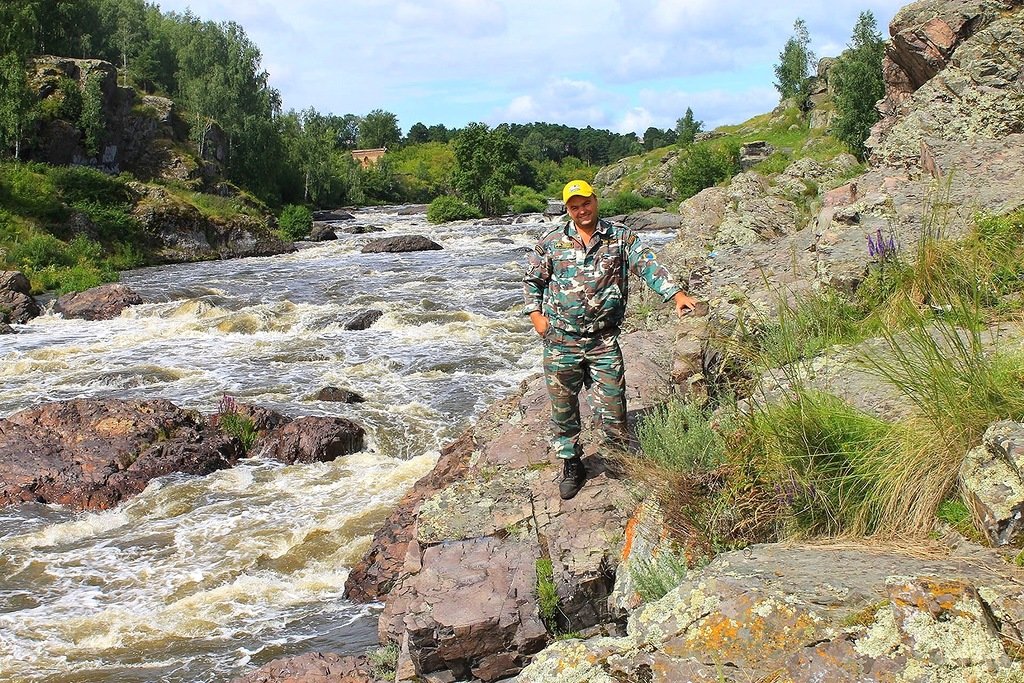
572, 363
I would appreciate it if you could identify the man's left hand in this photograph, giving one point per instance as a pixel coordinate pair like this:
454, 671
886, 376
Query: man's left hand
684, 303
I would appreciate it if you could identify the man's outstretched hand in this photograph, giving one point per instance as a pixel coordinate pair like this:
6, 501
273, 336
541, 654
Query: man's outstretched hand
684, 303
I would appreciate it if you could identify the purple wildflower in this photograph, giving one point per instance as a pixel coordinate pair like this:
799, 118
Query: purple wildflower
872, 250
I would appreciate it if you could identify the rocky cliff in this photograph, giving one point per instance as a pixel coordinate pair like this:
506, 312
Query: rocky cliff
146, 136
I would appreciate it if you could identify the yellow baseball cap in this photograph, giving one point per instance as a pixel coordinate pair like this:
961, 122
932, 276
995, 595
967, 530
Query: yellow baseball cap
576, 187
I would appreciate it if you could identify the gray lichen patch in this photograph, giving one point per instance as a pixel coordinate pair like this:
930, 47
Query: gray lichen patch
476, 507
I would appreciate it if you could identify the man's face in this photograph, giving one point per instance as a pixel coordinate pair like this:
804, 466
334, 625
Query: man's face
582, 211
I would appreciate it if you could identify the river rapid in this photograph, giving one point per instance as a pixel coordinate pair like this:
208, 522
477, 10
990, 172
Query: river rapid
201, 578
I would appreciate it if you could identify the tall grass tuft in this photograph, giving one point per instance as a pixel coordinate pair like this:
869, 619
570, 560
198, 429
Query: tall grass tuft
656, 576
679, 436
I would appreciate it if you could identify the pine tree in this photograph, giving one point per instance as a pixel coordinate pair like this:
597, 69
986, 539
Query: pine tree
857, 84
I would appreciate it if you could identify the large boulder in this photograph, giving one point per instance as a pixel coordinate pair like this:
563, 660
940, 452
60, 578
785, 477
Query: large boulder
332, 215
813, 613
312, 439
651, 220
992, 479
94, 453
99, 303
400, 243
483, 520
952, 72
181, 233
16, 302
363, 319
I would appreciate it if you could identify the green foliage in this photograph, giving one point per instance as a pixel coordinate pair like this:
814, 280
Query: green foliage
488, 163
824, 454
295, 221
655, 577
29, 190
794, 67
39, 251
547, 593
954, 513
447, 208
809, 325
422, 171
92, 122
526, 200
687, 128
79, 183
655, 138
377, 182
379, 128
679, 437
232, 422
626, 202
65, 103
18, 107
704, 165
856, 80
383, 662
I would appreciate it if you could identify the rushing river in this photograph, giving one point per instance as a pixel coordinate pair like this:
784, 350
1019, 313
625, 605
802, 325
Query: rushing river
200, 578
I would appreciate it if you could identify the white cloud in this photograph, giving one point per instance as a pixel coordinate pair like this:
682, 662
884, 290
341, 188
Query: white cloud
635, 120
616, 64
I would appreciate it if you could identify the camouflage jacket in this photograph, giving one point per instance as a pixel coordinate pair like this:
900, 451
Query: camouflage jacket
583, 290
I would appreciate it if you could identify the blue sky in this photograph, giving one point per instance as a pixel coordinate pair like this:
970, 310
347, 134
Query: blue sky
620, 65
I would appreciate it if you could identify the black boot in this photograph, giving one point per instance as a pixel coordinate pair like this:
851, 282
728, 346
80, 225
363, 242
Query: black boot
574, 474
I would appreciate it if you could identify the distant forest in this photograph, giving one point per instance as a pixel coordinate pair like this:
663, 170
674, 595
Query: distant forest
213, 72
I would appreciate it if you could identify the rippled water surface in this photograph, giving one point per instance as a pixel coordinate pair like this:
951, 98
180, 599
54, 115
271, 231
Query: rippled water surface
200, 578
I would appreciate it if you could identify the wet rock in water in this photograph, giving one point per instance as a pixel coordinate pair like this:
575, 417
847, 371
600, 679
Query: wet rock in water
322, 233
363, 229
338, 395
363, 319
312, 668
99, 303
332, 215
94, 453
16, 302
499, 240
312, 439
413, 209
401, 243
6, 329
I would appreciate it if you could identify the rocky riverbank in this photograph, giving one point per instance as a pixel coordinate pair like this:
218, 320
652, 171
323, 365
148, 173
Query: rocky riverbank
457, 565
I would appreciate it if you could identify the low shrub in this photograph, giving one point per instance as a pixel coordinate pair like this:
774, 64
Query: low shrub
40, 250
295, 222
679, 436
655, 577
704, 165
448, 208
547, 593
627, 202
526, 200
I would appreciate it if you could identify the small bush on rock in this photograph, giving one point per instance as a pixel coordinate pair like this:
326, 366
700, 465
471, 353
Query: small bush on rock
447, 208
296, 221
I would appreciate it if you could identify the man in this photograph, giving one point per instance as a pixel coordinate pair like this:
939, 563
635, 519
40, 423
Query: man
575, 287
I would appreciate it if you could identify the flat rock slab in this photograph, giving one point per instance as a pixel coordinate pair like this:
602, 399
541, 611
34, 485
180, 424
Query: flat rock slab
813, 613
94, 453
